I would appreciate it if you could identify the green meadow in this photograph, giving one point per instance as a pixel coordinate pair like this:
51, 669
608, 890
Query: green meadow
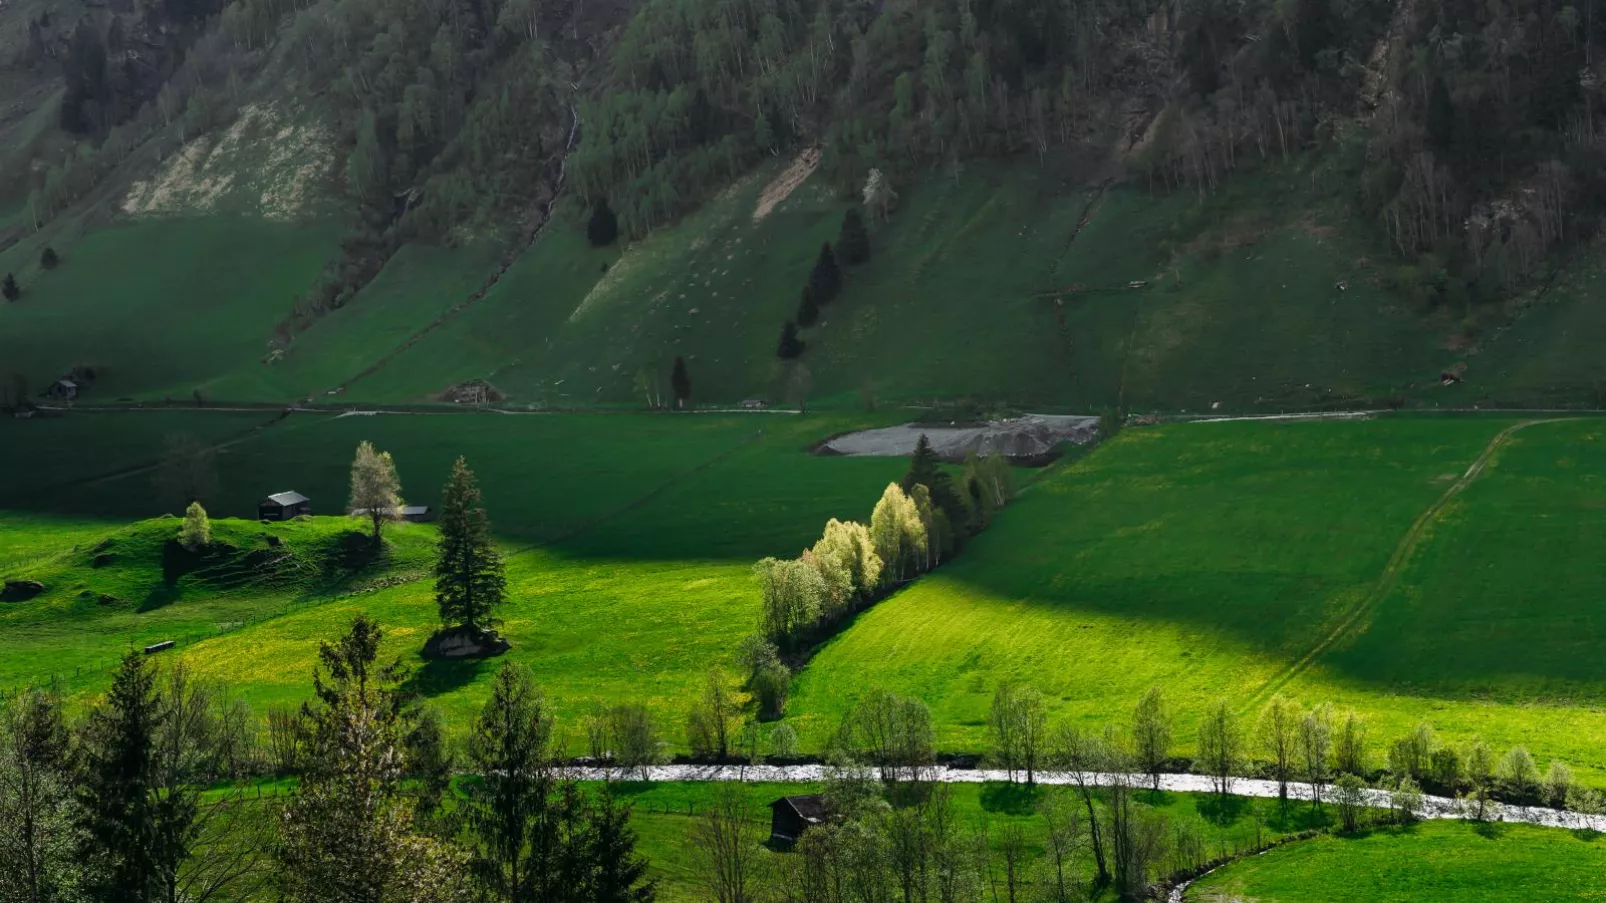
1235, 560
1354, 562
1478, 863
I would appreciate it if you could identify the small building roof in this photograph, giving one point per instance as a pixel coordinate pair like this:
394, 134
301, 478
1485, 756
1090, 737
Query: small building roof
288, 498
66, 384
811, 808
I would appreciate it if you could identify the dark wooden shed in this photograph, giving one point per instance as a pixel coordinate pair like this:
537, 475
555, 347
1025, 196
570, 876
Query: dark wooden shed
790, 816
283, 506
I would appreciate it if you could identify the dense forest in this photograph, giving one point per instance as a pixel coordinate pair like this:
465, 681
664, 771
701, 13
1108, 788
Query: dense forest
1464, 130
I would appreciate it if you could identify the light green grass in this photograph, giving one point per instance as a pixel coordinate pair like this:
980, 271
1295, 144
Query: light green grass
630, 542
159, 307
1430, 861
1211, 559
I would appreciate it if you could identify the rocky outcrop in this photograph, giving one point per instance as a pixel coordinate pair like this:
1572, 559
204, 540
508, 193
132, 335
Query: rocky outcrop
465, 642
20, 590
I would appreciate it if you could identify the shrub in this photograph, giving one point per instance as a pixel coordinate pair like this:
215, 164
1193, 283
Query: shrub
48, 259
1350, 798
196, 534
783, 742
1519, 772
1558, 783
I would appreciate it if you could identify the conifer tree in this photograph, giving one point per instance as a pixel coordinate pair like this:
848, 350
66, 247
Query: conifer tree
603, 227
347, 831
825, 280
121, 813
9, 287
680, 383
808, 311
790, 347
854, 241
48, 259
469, 583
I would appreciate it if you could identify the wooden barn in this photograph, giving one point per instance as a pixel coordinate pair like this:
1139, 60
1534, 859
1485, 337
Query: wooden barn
283, 506
790, 816
416, 514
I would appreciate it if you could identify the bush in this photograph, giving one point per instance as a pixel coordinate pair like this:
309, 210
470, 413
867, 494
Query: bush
196, 534
1558, 784
1350, 798
783, 742
9, 288
48, 259
771, 686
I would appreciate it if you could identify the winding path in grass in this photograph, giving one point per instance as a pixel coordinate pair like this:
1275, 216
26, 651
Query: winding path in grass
1433, 807
1351, 621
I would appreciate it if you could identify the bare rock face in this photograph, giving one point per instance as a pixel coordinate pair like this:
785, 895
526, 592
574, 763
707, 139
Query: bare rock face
20, 590
465, 642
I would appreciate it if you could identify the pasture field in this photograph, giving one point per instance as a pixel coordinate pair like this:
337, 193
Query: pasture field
1237, 302
158, 308
1365, 563
1490, 863
630, 541
1235, 560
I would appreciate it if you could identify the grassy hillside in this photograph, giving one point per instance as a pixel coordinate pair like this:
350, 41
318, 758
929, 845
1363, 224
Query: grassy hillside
1430, 861
630, 540
1239, 304
1239, 559
159, 308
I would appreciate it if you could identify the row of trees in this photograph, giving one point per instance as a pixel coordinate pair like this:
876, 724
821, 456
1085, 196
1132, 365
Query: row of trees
825, 281
916, 525
120, 806
1285, 743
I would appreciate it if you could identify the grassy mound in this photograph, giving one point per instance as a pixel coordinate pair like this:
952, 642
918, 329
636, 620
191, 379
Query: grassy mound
1431, 861
630, 540
137, 586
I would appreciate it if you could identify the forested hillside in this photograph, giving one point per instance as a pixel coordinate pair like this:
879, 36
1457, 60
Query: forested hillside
1451, 148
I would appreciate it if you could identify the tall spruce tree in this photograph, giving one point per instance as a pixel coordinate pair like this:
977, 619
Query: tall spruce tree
925, 469
825, 280
603, 227
854, 241
9, 287
808, 310
347, 832
680, 382
509, 810
790, 346
469, 583
122, 814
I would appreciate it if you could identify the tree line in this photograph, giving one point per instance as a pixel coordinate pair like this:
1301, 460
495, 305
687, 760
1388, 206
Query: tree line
918, 523
136, 801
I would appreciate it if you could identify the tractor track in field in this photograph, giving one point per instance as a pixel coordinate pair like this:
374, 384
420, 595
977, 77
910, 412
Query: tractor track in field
1351, 621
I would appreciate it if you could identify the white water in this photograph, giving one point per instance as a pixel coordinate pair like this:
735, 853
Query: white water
1432, 806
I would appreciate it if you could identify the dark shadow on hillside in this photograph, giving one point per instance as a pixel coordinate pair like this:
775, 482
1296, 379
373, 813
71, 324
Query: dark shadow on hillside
159, 597
1587, 835
440, 676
